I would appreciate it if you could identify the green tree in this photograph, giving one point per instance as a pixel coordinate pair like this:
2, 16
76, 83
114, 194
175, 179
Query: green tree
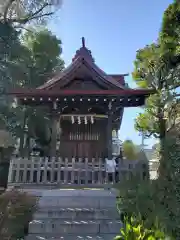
168, 190
44, 61
170, 33
20, 65
13, 12
153, 70
129, 150
157, 66
41, 64
16, 62
25, 11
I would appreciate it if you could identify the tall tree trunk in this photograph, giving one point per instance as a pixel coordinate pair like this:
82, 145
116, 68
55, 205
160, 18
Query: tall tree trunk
162, 139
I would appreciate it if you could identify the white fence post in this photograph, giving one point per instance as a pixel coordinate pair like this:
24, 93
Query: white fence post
45, 166
100, 171
66, 171
39, 170
52, 169
59, 170
86, 171
10, 174
93, 170
17, 170
72, 170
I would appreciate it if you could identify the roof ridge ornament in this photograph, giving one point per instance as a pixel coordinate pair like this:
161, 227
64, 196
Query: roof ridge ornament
83, 52
83, 42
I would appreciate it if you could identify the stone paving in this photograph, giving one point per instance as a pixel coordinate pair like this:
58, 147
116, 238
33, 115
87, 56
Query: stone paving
75, 214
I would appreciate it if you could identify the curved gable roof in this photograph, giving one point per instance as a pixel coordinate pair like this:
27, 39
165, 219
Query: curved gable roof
83, 57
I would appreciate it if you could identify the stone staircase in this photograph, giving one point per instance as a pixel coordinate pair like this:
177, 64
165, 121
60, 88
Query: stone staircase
75, 215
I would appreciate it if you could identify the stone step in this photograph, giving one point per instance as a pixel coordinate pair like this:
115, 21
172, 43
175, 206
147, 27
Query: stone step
76, 213
76, 202
74, 227
71, 237
79, 193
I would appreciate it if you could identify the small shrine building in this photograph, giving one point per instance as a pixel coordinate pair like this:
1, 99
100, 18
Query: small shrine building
86, 105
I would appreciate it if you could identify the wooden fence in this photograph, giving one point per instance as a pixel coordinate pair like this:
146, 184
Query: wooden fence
36, 170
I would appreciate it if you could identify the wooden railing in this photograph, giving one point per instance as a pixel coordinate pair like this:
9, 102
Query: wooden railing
36, 170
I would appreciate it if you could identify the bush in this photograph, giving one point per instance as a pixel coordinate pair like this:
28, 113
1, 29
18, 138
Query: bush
16, 210
157, 198
134, 229
168, 185
139, 197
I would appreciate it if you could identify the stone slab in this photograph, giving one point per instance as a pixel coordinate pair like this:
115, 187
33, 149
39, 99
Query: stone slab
71, 237
65, 202
77, 202
76, 213
78, 193
69, 226
76, 227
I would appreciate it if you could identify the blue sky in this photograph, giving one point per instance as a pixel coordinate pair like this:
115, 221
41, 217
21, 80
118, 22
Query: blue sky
114, 30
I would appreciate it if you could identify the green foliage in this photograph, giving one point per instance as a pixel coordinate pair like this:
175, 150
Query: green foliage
35, 63
138, 197
152, 71
43, 60
134, 229
170, 33
10, 63
146, 59
22, 64
158, 198
168, 187
129, 150
9, 55
16, 210
147, 122
39, 126
42, 65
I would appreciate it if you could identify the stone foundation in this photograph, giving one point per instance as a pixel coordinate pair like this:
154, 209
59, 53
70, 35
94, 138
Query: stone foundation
75, 214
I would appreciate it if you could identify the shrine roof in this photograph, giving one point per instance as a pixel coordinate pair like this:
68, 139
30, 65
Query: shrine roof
113, 84
83, 56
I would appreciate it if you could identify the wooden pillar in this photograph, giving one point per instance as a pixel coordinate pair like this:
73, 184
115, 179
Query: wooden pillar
23, 133
109, 132
53, 136
55, 120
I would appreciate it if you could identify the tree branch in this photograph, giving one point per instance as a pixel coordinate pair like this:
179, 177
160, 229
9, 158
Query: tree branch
10, 2
34, 15
177, 95
156, 135
21, 27
40, 10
